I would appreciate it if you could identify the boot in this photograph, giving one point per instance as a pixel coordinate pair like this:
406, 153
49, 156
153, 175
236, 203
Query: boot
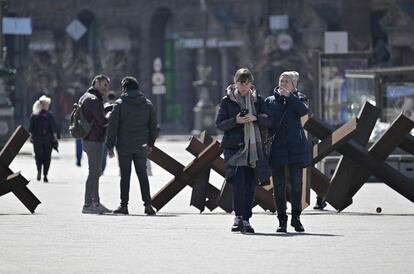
282, 223
39, 174
121, 210
295, 222
149, 210
320, 204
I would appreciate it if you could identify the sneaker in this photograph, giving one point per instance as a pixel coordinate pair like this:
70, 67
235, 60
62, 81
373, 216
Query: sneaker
121, 210
149, 210
247, 228
238, 224
295, 222
91, 209
102, 208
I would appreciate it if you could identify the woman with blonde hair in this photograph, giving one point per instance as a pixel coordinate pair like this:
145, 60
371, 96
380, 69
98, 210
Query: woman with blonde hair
43, 133
290, 151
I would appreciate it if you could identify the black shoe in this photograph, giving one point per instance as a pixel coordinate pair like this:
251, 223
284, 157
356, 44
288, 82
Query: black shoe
149, 210
282, 224
38, 176
320, 204
45, 180
295, 222
238, 224
247, 228
121, 210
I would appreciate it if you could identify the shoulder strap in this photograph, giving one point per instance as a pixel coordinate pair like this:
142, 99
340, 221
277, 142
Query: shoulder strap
272, 138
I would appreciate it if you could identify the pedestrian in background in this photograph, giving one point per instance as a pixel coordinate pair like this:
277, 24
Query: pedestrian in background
290, 151
241, 113
132, 130
93, 143
43, 133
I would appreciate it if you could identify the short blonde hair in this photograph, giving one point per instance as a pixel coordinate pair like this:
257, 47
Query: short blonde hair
243, 75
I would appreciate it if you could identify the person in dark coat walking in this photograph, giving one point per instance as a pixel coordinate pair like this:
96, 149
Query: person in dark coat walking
132, 130
290, 151
242, 111
43, 132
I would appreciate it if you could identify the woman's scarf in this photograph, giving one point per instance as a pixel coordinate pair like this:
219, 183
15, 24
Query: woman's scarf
252, 150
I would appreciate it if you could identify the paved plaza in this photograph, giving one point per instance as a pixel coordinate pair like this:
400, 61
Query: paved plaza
59, 239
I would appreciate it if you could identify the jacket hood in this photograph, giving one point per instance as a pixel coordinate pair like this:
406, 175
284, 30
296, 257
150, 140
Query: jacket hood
133, 97
232, 88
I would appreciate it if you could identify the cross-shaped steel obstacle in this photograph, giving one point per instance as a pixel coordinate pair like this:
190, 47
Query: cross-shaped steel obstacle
15, 182
357, 162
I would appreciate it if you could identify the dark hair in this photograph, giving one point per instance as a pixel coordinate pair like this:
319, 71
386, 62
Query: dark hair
100, 77
129, 82
243, 75
111, 95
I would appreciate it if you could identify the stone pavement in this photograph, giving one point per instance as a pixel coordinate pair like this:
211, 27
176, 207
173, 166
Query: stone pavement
59, 239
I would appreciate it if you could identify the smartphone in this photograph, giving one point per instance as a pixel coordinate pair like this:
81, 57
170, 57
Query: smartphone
244, 112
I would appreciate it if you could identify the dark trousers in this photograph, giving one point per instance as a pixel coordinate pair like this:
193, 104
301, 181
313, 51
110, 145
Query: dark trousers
281, 175
43, 155
243, 188
140, 164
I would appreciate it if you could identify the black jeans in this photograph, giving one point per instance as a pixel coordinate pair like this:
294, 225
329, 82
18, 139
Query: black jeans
280, 178
43, 154
140, 164
243, 186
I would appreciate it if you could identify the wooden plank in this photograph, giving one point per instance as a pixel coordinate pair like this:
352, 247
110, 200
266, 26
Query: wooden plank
198, 194
189, 172
13, 181
360, 156
13, 145
217, 165
346, 172
384, 146
176, 185
408, 144
319, 182
334, 140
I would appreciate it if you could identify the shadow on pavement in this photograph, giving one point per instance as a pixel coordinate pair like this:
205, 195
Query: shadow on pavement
289, 234
140, 215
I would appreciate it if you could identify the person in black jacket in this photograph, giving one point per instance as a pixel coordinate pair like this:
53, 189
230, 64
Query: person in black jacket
132, 130
43, 132
241, 113
93, 143
290, 150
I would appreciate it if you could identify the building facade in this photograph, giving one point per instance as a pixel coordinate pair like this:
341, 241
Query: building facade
71, 41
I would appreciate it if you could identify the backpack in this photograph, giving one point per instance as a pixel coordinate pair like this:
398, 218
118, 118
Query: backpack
79, 127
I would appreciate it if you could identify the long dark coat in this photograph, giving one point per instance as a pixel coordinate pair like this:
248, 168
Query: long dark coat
290, 145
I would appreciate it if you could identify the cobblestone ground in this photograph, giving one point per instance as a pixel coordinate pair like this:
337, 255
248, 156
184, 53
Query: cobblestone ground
58, 238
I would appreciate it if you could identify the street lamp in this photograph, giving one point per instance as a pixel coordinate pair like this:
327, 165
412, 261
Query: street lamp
204, 111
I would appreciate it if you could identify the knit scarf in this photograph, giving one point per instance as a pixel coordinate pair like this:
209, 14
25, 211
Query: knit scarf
252, 150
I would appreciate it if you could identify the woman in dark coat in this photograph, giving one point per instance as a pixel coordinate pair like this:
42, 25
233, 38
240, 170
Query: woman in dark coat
290, 150
43, 132
241, 113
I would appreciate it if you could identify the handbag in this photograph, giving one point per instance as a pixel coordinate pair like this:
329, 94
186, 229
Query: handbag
232, 142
